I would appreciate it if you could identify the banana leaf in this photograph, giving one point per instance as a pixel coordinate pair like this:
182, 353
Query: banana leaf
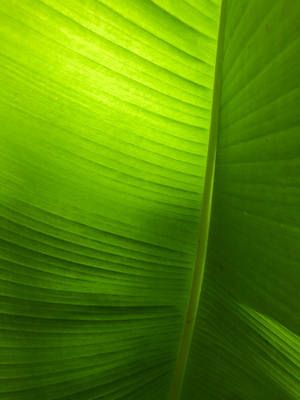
150, 200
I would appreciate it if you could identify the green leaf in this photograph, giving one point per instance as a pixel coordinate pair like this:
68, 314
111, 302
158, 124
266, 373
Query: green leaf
246, 340
130, 131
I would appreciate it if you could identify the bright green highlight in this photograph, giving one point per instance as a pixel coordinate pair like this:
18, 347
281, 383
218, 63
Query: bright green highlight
107, 110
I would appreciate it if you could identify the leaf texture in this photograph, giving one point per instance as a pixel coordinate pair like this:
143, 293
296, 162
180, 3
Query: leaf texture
105, 112
246, 340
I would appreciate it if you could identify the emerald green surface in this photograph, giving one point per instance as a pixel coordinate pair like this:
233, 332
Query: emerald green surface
246, 343
106, 115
